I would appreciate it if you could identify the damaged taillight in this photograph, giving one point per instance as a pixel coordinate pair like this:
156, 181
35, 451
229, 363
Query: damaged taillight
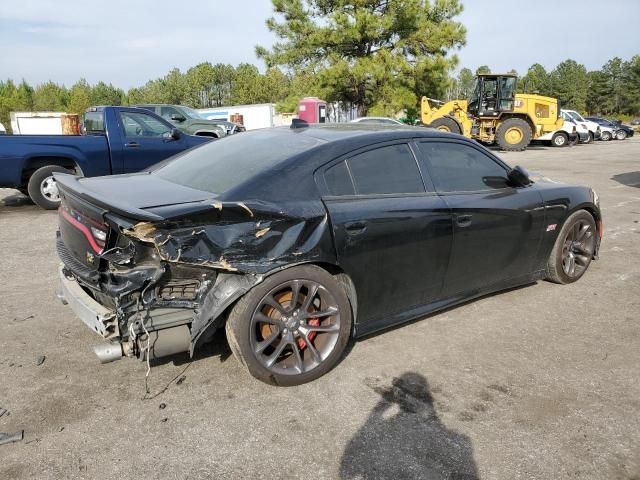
94, 232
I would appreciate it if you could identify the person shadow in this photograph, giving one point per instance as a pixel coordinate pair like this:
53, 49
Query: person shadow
404, 438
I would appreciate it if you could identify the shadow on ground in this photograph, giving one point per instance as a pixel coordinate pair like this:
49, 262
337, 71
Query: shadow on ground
404, 438
630, 179
17, 200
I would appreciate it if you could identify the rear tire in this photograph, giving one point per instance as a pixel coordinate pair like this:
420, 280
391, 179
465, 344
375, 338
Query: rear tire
292, 328
514, 134
42, 188
606, 136
446, 124
574, 141
589, 139
574, 249
560, 139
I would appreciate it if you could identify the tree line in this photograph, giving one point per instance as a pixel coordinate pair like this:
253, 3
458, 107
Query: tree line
202, 86
377, 57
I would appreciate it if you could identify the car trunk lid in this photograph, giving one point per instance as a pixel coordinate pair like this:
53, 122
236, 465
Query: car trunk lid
85, 202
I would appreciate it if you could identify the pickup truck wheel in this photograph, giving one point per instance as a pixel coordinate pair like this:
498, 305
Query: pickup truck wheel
560, 139
42, 187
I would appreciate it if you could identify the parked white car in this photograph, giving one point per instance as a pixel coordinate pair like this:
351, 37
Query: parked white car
567, 135
377, 121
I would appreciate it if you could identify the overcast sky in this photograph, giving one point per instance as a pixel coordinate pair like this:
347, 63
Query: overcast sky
130, 42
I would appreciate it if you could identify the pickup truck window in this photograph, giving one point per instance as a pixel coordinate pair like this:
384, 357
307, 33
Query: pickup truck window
166, 112
94, 123
142, 125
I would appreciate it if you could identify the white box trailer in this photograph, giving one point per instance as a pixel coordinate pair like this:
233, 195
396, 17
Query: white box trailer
2, 130
260, 115
44, 123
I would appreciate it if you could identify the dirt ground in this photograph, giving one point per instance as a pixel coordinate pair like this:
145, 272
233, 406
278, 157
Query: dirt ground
538, 382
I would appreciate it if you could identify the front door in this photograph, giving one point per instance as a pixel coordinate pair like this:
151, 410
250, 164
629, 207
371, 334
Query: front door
497, 227
147, 140
392, 232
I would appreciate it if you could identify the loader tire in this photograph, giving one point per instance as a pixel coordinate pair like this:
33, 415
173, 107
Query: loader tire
446, 124
514, 134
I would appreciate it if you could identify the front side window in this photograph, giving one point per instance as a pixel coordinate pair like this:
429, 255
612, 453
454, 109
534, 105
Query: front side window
191, 113
386, 170
461, 168
167, 112
576, 116
142, 125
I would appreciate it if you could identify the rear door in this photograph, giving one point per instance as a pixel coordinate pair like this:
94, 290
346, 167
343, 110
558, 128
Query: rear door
147, 140
392, 232
497, 228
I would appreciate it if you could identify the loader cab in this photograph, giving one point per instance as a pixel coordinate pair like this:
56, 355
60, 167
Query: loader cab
492, 95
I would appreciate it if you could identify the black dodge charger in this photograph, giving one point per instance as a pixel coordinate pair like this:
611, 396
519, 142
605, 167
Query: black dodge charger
296, 240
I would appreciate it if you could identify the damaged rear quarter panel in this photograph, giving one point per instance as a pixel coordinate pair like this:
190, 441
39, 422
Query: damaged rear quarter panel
244, 240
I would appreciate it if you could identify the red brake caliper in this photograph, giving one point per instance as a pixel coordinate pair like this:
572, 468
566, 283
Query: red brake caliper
313, 322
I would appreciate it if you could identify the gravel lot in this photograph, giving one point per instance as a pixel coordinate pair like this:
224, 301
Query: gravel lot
538, 382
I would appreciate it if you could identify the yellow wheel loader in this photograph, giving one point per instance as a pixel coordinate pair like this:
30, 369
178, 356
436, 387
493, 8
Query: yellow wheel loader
495, 113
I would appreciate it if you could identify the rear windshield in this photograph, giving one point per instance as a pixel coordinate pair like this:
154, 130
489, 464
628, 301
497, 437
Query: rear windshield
223, 164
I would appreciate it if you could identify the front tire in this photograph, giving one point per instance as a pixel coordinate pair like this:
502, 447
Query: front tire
560, 139
574, 249
514, 134
292, 328
621, 135
42, 187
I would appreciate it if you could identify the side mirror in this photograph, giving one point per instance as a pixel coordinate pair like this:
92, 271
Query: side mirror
177, 117
175, 134
519, 177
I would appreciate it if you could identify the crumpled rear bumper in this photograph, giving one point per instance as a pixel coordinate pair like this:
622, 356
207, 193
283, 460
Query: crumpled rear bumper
95, 316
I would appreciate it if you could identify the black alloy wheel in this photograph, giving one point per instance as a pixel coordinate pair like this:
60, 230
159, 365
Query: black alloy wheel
292, 328
574, 249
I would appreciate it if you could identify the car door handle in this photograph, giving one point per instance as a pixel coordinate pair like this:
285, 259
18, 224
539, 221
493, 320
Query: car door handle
132, 145
355, 228
463, 220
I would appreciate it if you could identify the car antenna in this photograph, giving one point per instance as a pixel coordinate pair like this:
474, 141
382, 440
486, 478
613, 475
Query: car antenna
298, 123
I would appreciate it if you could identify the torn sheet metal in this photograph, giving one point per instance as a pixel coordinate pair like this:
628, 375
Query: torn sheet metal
246, 237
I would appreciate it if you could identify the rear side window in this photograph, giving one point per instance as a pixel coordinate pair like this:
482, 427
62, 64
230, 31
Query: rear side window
338, 180
390, 169
461, 168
